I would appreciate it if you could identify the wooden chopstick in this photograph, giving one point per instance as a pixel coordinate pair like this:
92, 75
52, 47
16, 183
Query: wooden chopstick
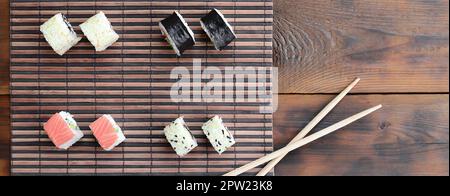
302, 142
310, 125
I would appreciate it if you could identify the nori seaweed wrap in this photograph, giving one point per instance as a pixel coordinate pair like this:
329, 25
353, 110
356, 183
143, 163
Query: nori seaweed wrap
218, 29
177, 33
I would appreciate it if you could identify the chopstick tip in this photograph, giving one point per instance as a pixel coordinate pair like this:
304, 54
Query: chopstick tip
353, 84
378, 107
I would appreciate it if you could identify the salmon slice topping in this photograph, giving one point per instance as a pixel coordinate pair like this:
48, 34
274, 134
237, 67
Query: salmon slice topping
104, 132
58, 130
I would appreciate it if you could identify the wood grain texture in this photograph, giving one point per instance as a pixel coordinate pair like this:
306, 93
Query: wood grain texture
4, 135
408, 136
4, 47
5, 130
394, 46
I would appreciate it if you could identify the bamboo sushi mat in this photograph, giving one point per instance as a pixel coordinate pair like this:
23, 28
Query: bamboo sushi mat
131, 81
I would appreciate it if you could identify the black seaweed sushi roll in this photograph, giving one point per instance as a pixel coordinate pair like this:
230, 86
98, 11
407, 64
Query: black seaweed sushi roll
218, 29
177, 33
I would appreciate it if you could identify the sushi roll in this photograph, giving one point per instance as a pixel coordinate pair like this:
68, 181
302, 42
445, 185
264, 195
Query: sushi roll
219, 135
107, 132
218, 29
179, 137
177, 33
59, 34
99, 31
63, 130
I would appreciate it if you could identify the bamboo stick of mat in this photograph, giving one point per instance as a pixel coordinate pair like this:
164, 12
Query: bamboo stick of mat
310, 125
302, 142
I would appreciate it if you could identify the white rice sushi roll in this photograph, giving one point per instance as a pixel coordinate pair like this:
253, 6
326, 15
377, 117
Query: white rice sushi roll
219, 135
218, 29
177, 33
107, 132
99, 31
179, 137
63, 130
59, 34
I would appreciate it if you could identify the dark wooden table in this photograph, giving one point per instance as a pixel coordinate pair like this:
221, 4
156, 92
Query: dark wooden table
400, 49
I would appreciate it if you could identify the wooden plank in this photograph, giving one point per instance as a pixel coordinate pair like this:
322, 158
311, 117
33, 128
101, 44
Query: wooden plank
408, 136
394, 46
4, 90
4, 47
4, 135
402, 50
397, 140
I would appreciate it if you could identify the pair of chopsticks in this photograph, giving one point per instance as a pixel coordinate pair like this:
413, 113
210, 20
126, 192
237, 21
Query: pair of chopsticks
300, 140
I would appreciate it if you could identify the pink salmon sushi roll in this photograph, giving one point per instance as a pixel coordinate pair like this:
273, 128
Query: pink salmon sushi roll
107, 132
63, 130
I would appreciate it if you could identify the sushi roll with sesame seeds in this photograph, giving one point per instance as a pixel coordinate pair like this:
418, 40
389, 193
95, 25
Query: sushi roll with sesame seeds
219, 135
59, 34
180, 137
218, 29
177, 33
